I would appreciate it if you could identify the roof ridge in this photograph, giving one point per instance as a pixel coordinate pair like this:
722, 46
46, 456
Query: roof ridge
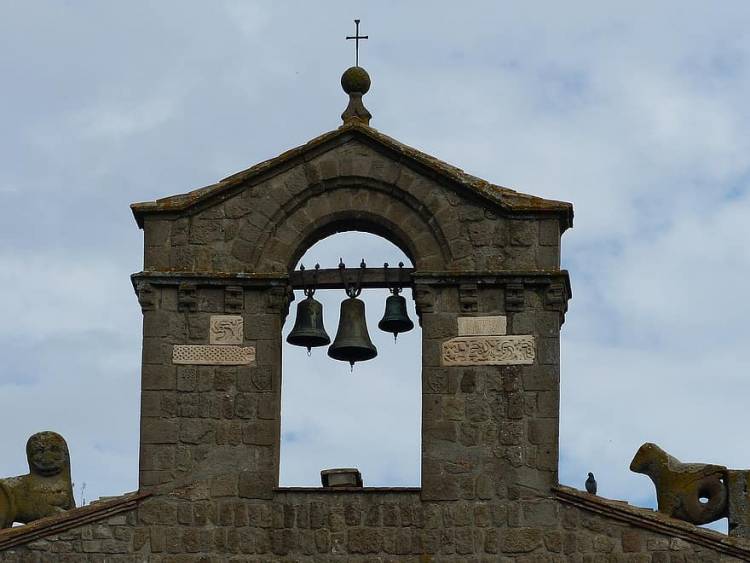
654, 521
72, 518
498, 194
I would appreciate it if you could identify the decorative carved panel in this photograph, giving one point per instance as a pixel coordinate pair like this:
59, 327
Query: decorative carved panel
424, 299
468, 298
234, 299
488, 350
515, 300
146, 296
226, 329
278, 299
187, 298
555, 298
213, 355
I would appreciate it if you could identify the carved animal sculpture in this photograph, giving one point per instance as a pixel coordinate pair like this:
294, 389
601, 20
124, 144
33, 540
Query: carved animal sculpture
46, 490
694, 492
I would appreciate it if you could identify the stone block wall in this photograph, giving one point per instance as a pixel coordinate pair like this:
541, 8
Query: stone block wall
266, 226
116, 538
486, 429
385, 527
489, 431
221, 423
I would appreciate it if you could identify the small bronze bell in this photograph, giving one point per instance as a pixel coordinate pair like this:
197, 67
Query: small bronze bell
352, 342
395, 319
308, 328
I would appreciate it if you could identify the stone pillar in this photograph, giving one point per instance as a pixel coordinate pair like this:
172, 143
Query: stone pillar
204, 422
738, 483
449, 466
489, 431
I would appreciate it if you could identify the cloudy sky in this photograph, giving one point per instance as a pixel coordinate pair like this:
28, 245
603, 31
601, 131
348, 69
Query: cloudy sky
638, 116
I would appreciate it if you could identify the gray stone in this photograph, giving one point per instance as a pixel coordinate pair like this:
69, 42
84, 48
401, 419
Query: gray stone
482, 326
226, 330
693, 492
46, 490
738, 509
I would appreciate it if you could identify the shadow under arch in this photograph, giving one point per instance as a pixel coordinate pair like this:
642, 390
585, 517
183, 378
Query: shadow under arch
342, 222
352, 204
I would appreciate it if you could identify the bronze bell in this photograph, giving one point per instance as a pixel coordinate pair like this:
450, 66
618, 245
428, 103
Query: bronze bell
352, 342
395, 319
308, 328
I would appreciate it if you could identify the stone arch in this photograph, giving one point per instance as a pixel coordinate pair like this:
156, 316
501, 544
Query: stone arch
347, 204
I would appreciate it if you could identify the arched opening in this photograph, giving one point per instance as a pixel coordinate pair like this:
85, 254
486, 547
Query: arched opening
368, 418
352, 204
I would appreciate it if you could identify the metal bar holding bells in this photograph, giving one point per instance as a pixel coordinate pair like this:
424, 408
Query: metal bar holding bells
371, 278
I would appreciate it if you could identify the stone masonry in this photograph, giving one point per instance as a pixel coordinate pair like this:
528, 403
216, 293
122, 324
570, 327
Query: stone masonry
210, 435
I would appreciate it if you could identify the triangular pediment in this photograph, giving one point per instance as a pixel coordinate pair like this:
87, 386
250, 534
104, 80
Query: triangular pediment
492, 195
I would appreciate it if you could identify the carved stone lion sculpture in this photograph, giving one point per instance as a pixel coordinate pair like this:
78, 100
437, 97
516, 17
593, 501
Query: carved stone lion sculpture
694, 492
45, 490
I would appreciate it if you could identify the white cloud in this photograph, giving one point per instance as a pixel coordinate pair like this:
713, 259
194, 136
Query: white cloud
638, 116
125, 120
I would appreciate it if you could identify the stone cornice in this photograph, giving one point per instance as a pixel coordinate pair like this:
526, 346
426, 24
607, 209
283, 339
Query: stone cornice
490, 278
555, 284
653, 521
486, 278
69, 519
557, 281
500, 196
219, 279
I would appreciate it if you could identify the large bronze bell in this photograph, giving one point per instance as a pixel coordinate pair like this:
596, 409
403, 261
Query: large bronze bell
308, 328
352, 342
395, 319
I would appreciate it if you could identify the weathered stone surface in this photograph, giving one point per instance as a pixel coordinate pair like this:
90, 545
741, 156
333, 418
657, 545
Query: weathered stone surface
44, 491
693, 492
521, 540
495, 325
226, 330
213, 355
488, 350
738, 509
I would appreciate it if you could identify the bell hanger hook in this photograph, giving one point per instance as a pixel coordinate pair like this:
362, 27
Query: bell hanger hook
353, 287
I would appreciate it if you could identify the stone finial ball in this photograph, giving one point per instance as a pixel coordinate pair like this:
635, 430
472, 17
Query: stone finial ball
355, 79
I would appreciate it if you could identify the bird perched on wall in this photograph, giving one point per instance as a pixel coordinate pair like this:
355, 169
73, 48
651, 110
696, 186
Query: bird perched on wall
591, 484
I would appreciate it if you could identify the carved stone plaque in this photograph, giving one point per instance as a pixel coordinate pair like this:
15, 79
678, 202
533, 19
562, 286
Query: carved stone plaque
488, 350
213, 355
482, 326
226, 329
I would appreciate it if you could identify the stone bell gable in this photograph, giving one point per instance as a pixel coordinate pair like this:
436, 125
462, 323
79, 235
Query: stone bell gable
354, 178
215, 290
478, 250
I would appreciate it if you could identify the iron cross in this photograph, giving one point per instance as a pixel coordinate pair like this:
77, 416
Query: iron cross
356, 38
